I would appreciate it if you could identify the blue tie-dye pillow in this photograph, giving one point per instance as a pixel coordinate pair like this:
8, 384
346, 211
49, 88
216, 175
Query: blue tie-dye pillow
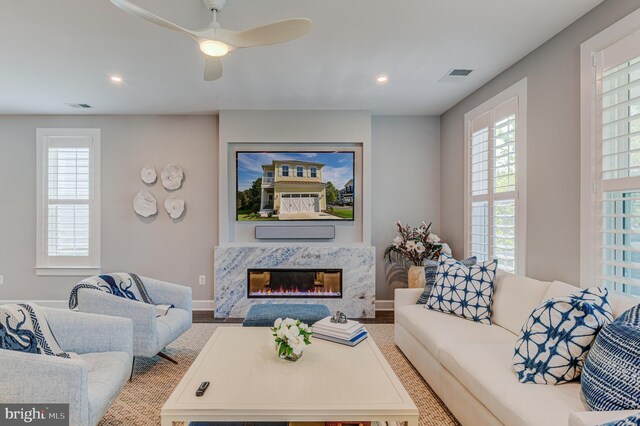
558, 334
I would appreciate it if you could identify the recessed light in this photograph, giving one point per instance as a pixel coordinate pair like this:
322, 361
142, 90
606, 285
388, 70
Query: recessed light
381, 79
116, 79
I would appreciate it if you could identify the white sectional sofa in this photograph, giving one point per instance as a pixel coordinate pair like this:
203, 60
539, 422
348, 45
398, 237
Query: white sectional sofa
469, 364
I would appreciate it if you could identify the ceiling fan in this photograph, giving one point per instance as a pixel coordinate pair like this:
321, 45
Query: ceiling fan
216, 41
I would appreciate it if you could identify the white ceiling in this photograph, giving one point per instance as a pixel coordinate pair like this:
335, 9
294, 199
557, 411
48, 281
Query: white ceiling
63, 51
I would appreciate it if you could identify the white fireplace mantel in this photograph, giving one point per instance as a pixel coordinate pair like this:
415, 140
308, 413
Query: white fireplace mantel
356, 261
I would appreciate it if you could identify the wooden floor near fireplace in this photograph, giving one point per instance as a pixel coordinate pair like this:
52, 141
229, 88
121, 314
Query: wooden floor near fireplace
382, 317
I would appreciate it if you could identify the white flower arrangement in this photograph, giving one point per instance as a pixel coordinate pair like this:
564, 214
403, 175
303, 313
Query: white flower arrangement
414, 244
290, 337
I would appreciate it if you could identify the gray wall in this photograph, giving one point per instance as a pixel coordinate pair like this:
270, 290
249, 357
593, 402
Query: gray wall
176, 252
406, 184
553, 143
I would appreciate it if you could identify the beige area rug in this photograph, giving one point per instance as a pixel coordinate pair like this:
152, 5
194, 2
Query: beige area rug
153, 381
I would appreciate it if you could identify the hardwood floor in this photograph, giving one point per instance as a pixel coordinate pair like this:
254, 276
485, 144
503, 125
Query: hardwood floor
382, 317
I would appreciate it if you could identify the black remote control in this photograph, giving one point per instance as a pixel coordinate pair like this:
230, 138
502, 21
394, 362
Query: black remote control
203, 387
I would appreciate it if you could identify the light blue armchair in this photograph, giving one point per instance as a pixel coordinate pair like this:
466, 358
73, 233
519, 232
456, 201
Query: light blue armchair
89, 384
151, 334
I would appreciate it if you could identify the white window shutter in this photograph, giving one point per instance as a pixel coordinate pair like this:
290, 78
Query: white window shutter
617, 174
68, 201
495, 225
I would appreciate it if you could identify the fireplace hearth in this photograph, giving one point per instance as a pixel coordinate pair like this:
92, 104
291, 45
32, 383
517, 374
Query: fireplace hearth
294, 283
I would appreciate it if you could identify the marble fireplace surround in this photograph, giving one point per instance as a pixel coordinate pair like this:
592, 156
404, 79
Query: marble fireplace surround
232, 261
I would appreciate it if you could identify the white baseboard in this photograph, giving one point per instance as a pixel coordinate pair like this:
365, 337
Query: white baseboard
384, 305
202, 305
198, 305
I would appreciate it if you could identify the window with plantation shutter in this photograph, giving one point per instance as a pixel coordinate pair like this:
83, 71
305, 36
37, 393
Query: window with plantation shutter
68, 201
614, 198
495, 152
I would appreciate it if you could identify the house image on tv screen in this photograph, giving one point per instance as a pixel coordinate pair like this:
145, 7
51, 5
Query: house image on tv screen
293, 188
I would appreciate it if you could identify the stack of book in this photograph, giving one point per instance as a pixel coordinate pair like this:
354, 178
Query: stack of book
351, 333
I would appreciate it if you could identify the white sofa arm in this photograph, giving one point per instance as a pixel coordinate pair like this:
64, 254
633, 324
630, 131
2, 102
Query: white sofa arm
594, 418
406, 296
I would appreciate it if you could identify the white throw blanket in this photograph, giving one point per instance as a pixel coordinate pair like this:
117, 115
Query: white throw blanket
121, 284
25, 328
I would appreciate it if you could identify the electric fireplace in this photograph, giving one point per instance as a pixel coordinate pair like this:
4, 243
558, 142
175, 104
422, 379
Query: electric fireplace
294, 283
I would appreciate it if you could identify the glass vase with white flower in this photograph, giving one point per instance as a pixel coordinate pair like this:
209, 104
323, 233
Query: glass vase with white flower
290, 337
414, 244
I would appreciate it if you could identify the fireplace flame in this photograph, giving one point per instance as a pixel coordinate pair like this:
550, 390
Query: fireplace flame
295, 292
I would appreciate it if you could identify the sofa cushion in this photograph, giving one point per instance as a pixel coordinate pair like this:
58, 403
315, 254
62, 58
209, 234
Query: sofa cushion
559, 289
463, 291
486, 371
612, 369
558, 334
172, 325
435, 329
621, 304
514, 298
107, 373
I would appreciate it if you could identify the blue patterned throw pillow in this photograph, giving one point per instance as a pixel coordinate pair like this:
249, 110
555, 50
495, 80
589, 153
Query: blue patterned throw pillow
627, 421
464, 291
558, 334
430, 270
611, 376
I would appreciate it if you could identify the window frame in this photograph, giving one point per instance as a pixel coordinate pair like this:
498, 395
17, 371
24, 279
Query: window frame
48, 265
282, 171
589, 229
299, 171
313, 172
519, 91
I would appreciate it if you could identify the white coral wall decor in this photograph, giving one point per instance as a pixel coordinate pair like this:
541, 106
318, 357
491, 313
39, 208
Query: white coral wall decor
148, 174
174, 206
172, 176
145, 204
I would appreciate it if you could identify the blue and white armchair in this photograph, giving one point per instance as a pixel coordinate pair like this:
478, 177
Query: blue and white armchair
89, 384
151, 334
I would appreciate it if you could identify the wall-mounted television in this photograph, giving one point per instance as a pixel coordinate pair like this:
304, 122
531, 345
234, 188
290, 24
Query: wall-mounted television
295, 185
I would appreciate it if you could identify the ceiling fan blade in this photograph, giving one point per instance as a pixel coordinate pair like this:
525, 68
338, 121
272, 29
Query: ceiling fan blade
212, 68
148, 16
277, 32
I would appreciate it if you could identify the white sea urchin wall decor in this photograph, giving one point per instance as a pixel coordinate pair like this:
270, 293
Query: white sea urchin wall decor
145, 204
148, 174
172, 177
174, 206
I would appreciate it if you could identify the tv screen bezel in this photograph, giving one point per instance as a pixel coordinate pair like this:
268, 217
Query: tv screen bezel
280, 151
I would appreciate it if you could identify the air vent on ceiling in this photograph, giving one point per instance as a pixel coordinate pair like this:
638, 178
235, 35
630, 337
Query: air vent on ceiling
456, 75
80, 106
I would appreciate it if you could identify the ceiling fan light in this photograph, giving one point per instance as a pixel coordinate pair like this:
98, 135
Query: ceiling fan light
214, 48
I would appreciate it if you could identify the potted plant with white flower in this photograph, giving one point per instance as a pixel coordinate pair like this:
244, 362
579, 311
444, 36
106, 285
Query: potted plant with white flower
414, 245
290, 338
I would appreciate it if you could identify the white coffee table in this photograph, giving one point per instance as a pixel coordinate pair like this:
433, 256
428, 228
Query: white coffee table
249, 382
